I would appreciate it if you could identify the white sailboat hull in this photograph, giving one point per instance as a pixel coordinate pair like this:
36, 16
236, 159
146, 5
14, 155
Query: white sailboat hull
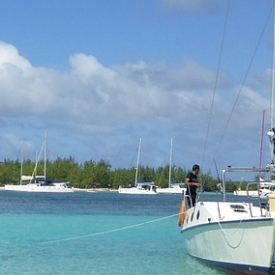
32, 187
263, 193
229, 237
245, 193
136, 191
140, 188
39, 183
171, 190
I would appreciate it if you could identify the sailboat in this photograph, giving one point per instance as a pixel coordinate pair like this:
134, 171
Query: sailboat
266, 188
233, 235
173, 188
141, 187
39, 183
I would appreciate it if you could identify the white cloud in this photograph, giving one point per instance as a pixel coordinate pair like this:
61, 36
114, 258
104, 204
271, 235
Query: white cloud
89, 70
91, 99
91, 94
10, 59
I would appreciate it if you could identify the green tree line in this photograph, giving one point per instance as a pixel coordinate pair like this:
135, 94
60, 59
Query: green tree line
91, 174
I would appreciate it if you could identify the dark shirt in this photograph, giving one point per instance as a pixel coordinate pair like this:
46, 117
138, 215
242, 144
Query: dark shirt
191, 189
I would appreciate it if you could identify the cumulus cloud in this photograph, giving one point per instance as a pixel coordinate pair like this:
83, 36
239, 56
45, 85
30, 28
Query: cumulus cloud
10, 59
91, 99
94, 96
249, 108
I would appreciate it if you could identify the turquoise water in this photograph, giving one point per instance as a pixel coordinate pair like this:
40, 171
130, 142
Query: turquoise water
93, 233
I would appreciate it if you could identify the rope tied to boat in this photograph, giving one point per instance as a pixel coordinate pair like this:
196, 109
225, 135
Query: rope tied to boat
226, 235
109, 231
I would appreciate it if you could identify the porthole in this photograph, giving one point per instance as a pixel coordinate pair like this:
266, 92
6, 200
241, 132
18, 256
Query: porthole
192, 216
198, 215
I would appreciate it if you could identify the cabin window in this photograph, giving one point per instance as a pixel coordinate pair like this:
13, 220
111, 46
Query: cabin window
238, 208
198, 215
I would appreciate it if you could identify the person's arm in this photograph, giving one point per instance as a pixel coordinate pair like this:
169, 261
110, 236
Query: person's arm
188, 182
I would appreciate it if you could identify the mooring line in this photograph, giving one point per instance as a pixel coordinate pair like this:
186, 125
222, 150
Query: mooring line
108, 231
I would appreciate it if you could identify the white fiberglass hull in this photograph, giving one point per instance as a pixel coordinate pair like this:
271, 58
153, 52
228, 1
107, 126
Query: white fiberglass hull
38, 188
230, 238
245, 193
171, 190
263, 193
135, 191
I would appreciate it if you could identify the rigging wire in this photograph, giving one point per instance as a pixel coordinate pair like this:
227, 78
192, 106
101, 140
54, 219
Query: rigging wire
246, 75
271, 131
239, 92
273, 66
216, 83
214, 92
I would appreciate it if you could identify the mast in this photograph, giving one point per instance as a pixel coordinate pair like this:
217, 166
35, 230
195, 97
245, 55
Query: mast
138, 156
271, 132
36, 164
21, 168
261, 146
45, 156
170, 163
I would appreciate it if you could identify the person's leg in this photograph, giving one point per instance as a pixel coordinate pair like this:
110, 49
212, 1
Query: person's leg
193, 200
188, 201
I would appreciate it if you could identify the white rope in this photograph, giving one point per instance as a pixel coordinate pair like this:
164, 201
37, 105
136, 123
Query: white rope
108, 231
225, 235
26, 247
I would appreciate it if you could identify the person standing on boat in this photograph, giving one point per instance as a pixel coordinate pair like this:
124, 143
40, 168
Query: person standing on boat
192, 184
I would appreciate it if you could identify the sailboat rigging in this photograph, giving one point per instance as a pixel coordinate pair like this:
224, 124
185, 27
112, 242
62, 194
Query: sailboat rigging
173, 188
228, 233
39, 183
140, 187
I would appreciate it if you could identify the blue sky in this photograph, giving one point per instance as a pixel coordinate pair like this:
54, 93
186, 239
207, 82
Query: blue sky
99, 75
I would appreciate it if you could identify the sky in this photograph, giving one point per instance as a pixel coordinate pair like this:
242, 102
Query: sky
98, 75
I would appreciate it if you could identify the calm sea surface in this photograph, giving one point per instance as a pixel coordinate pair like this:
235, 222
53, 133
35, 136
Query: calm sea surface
93, 233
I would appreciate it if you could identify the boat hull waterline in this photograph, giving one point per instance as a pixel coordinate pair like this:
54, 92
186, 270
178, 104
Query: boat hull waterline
139, 190
32, 187
244, 244
140, 187
171, 190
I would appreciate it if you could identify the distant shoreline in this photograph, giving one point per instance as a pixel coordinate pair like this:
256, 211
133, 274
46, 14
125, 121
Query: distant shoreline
2, 188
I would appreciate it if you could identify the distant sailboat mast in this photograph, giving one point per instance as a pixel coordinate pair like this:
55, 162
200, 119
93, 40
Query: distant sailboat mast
261, 143
170, 163
45, 156
138, 156
21, 166
36, 164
